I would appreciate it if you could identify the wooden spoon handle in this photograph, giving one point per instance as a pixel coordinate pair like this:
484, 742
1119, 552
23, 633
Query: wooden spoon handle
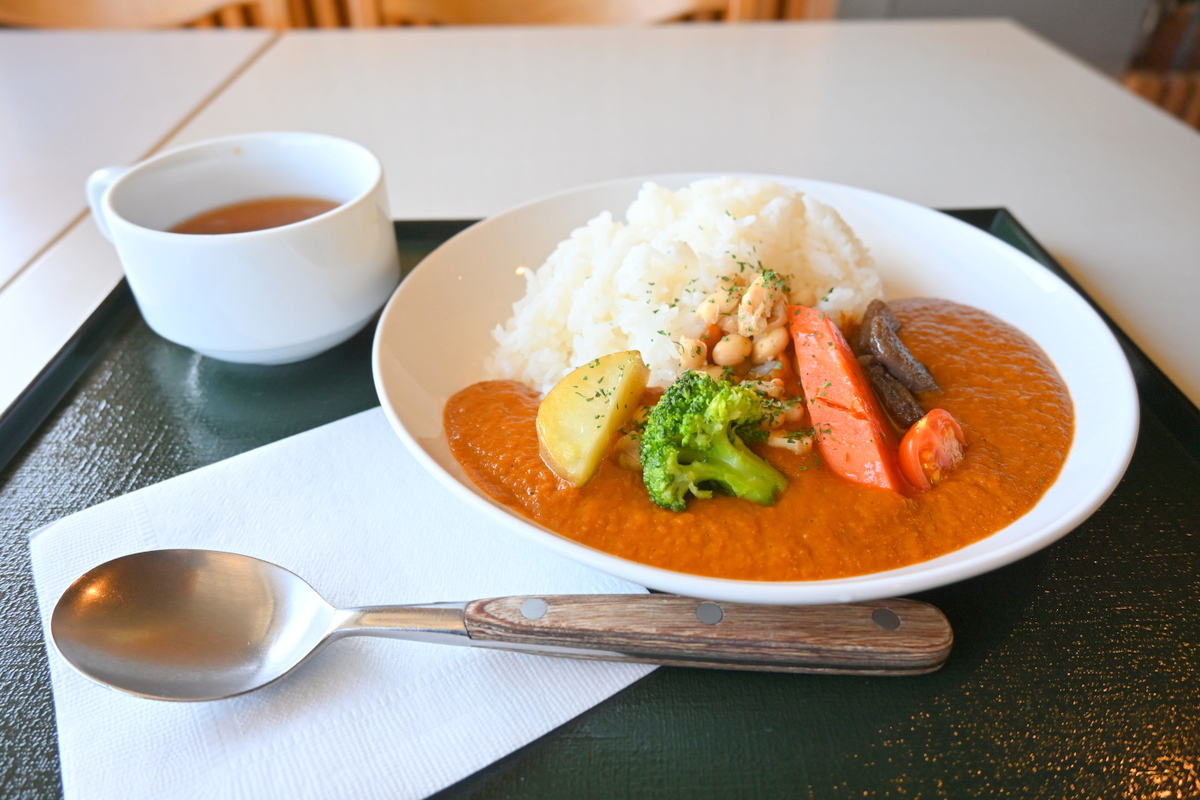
883, 637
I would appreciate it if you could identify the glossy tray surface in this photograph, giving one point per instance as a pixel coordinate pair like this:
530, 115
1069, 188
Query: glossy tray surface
1073, 671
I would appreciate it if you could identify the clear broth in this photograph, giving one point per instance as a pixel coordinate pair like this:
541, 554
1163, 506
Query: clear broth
254, 215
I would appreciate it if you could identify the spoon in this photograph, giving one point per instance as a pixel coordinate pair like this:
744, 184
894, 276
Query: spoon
204, 625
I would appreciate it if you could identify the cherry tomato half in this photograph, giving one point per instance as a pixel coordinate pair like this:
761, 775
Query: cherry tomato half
931, 449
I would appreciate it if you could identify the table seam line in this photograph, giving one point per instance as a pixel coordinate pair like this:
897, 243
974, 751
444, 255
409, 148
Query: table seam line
154, 148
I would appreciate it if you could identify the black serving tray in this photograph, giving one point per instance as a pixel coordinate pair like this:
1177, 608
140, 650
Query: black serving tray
1073, 673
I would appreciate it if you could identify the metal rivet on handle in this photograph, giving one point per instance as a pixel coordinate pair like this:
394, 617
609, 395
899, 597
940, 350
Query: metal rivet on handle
709, 613
534, 608
885, 618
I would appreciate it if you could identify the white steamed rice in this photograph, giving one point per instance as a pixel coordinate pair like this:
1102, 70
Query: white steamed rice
635, 285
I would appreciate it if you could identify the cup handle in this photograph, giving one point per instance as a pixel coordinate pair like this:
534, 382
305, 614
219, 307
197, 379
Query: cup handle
98, 184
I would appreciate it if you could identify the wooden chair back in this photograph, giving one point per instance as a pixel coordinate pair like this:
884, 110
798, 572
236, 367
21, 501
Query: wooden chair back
280, 14
370, 13
141, 14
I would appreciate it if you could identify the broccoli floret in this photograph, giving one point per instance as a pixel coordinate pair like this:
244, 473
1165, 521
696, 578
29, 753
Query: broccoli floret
694, 440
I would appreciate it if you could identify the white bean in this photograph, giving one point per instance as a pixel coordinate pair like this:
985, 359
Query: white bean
793, 413
731, 350
796, 442
772, 388
720, 303
769, 345
693, 353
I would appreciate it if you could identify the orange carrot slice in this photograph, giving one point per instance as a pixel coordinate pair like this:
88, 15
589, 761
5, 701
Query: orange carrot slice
852, 433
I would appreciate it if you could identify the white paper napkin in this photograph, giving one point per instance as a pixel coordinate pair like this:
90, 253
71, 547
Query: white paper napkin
349, 510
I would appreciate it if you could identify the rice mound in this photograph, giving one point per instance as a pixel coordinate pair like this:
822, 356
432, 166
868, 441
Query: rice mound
635, 285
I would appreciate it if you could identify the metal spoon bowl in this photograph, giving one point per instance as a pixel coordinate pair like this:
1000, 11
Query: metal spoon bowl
203, 625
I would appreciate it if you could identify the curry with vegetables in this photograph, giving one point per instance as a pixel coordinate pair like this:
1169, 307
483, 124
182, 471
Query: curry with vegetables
862, 492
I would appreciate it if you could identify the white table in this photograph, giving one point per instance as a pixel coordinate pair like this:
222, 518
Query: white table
72, 102
947, 114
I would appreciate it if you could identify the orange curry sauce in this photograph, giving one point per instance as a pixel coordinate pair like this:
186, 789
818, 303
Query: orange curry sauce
1013, 407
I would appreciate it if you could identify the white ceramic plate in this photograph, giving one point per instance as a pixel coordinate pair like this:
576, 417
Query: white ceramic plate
435, 334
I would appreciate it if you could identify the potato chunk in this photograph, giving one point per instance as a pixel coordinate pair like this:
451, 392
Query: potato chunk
579, 417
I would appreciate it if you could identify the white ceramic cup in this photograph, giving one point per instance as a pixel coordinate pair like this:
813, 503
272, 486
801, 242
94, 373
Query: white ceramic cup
268, 296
